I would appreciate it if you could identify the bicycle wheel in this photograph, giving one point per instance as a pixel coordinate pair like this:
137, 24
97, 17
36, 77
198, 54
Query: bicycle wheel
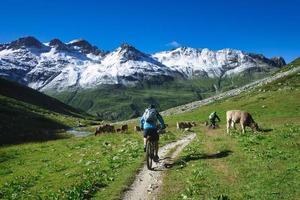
149, 153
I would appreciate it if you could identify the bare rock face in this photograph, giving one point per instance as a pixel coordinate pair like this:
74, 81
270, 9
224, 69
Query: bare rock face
85, 47
278, 61
26, 42
59, 45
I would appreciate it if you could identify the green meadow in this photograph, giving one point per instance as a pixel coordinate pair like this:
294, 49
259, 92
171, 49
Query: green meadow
261, 165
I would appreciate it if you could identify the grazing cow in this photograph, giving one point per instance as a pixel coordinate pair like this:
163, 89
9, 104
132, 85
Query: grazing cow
119, 130
184, 125
194, 123
99, 130
137, 129
124, 128
242, 117
107, 128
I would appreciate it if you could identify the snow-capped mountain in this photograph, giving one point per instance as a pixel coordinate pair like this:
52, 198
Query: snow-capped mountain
128, 66
78, 64
204, 62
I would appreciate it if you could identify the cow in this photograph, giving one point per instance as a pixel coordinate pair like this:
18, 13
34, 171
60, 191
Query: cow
184, 125
242, 117
124, 128
107, 128
99, 130
119, 130
137, 129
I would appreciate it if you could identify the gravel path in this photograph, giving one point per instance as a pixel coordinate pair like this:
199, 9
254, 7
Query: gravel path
147, 183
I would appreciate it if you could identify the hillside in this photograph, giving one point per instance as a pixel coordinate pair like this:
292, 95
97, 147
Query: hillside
209, 168
263, 165
28, 115
91, 79
117, 102
60, 66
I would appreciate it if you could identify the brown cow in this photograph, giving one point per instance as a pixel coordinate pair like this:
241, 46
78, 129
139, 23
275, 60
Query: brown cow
99, 130
119, 130
107, 128
242, 117
124, 128
137, 129
194, 123
184, 125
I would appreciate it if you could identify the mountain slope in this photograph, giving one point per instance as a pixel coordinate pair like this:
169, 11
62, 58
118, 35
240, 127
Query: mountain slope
269, 158
204, 62
119, 84
79, 65
28, 115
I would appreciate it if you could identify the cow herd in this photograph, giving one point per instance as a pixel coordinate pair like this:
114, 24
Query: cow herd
232, 117
185, 125
108, 128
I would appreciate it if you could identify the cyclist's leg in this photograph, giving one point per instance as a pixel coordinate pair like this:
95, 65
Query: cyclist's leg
146, 133
156, 138
213, 123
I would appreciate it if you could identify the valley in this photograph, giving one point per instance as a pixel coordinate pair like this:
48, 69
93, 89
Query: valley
209, 167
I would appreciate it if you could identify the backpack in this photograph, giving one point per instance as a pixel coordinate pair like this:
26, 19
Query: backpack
150, 115
212, 116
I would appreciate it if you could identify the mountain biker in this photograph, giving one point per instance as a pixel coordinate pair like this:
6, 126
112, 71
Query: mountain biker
212, 118
148, 123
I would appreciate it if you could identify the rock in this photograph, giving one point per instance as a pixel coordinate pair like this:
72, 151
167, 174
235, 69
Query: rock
278, 61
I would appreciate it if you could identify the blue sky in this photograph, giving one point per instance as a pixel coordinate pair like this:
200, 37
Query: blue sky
268, 27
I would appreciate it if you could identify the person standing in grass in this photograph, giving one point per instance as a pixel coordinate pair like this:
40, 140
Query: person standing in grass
213, 117
148, 123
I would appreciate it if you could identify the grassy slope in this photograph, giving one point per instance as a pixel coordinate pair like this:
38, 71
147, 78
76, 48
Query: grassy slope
115, 103
76, 168
25, 94
101, 167
250, 166
27, 115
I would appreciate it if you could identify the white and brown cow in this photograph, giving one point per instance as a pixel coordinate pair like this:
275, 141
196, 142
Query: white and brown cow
242, 117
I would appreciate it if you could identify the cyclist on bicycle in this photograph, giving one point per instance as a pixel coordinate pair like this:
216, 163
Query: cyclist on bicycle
148, 123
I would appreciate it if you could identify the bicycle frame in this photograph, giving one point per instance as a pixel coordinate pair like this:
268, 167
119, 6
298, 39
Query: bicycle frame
150, 150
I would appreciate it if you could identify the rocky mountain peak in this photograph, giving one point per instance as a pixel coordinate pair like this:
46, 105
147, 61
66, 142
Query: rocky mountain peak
279, 61
28, 41
275, 62
128, 52
56, 43
128, 47
85, 47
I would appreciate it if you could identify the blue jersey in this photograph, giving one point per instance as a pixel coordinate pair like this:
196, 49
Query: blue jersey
147, 125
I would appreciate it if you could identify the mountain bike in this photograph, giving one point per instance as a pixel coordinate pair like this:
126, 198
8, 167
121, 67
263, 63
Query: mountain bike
151, 145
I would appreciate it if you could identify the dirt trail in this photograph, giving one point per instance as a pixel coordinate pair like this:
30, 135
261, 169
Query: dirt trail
147, 183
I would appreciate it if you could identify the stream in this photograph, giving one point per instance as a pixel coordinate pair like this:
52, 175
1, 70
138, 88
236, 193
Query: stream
78, 133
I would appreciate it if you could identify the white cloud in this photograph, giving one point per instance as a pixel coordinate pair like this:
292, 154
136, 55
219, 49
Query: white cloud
173, 44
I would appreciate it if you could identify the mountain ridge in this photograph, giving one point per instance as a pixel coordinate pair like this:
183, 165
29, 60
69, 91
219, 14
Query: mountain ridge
78, 64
